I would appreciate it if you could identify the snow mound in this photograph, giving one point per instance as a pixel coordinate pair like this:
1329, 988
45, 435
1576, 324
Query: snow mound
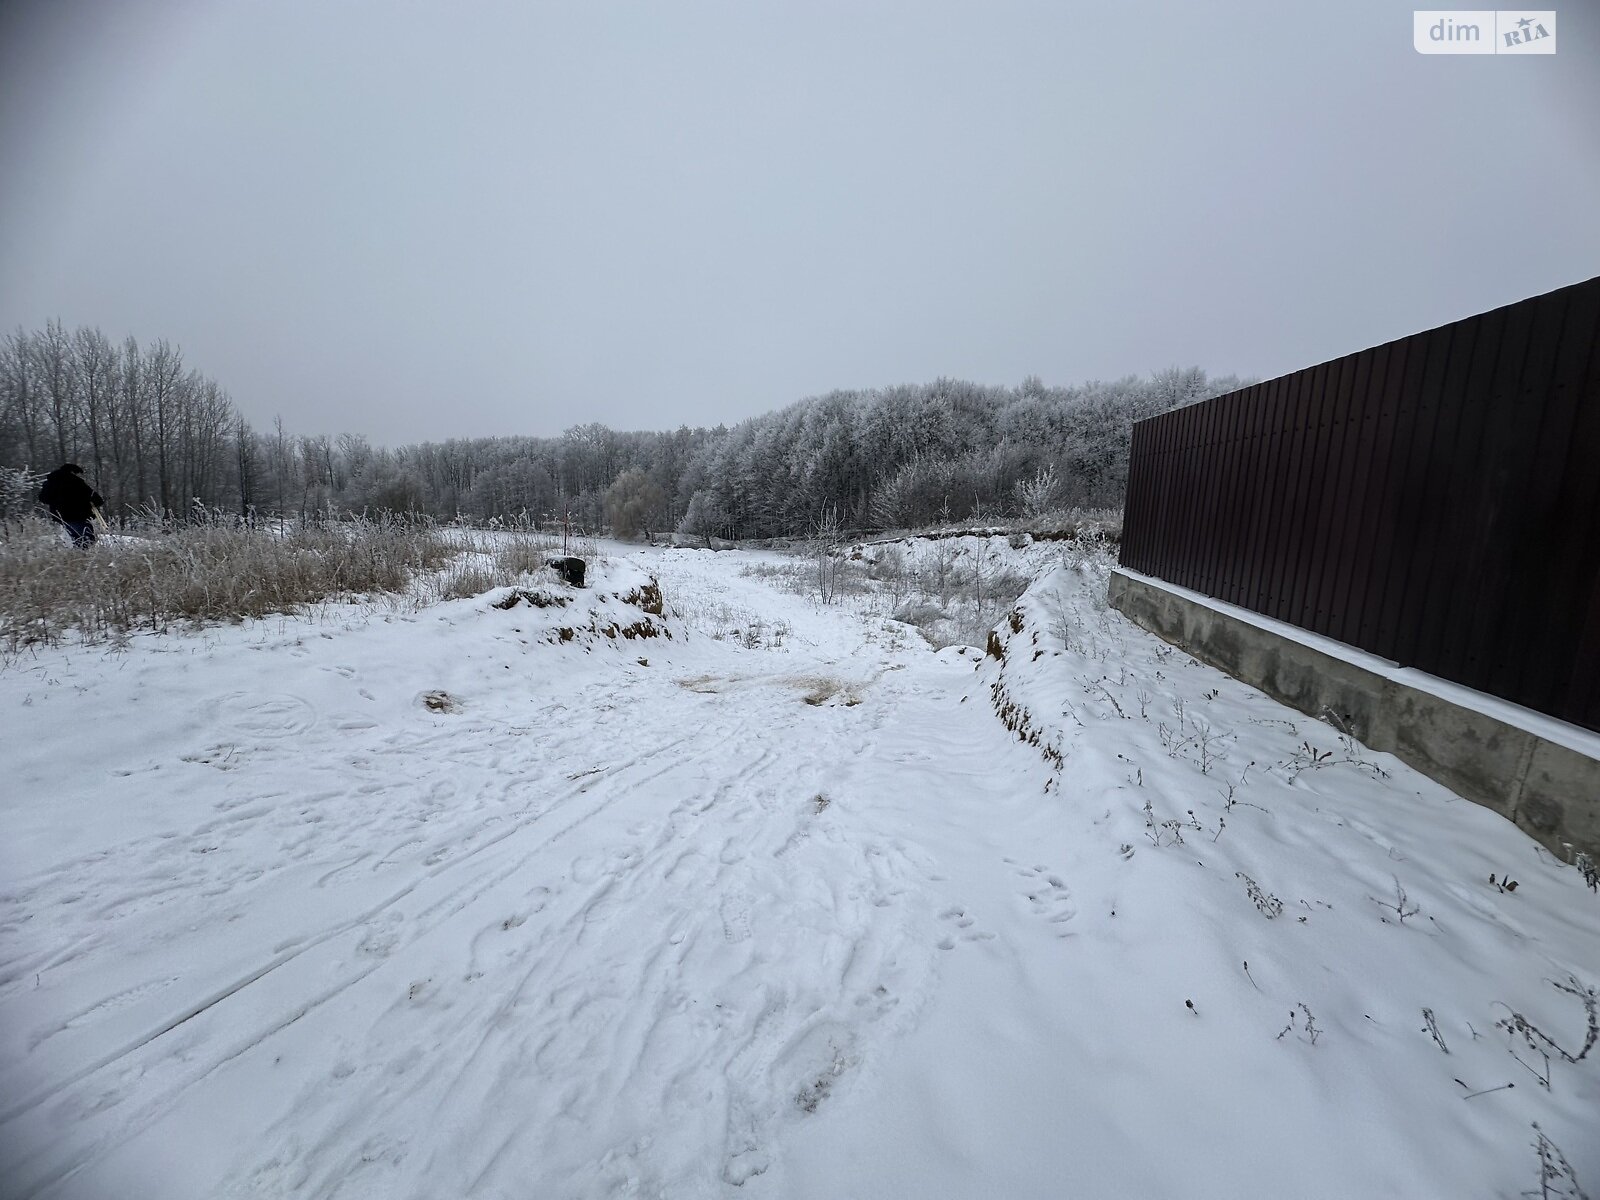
1294, 926
1018, 642
622, 603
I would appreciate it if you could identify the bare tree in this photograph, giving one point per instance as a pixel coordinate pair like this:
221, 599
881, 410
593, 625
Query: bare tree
826, 540
163, 377
54, 355
132, 406
280, 464
20, 398
244, 451
95, 363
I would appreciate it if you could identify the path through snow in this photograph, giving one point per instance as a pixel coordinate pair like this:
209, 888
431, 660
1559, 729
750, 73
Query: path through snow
676, 918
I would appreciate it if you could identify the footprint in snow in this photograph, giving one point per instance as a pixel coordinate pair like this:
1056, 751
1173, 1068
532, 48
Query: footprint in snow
958, 924
274, 716
1048, 896
815, 1063
382, 936
880, 1001
743, 1155
735, 911
580, 1034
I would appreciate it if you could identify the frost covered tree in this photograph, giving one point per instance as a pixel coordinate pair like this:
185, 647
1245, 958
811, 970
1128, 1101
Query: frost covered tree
1037, 495
705, 517
633, 504
156, 435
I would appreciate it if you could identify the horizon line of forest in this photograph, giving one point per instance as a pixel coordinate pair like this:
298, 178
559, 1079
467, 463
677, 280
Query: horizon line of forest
158, 438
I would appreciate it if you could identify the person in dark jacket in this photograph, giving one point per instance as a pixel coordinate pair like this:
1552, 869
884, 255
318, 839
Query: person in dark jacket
71, 501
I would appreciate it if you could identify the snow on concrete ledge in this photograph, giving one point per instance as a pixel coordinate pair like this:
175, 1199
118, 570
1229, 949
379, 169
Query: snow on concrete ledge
1536, 770
1540, 725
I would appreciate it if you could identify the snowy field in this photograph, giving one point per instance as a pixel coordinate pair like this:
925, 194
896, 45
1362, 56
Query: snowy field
495, 900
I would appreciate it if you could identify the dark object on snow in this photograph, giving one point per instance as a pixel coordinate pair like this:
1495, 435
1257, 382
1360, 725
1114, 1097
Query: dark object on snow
71, 501
570, 569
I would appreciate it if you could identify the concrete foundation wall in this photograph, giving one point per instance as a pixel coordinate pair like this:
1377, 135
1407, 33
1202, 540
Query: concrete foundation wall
1549, 790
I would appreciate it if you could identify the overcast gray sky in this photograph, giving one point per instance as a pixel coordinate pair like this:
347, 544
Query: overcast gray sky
428, 219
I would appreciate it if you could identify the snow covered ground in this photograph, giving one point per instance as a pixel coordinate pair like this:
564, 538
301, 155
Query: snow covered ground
456, 904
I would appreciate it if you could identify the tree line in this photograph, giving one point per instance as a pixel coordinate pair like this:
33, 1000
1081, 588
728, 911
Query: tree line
159, 438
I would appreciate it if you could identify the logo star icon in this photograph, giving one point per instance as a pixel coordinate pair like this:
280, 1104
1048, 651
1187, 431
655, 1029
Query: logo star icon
1525, 22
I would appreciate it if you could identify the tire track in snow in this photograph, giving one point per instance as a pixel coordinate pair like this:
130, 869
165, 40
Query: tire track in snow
694, 1016
597, 986
439, 910
547, 1047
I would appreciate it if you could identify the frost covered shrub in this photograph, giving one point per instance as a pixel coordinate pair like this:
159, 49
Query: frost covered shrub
19, 492
497, 557
467, 581
480, 562
522, 555
887, 568
791, 577
201, 573
920, 613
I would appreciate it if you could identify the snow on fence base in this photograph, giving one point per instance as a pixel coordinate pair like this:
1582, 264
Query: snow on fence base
1540, 773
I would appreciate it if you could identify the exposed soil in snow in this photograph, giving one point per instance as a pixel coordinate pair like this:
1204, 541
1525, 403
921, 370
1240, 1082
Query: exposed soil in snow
566, 893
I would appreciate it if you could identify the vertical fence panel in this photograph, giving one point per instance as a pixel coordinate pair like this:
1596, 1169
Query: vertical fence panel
1435, 500
1292, 492
1479, 478
1167, 533
1152, 471
1155, 537
1180, 538
1212, 481
1138, 481
1155, 557
1303, 500
1468, 392
1152, 517
1339, 566
1300, 498
1270, 508
1278, 439
1418, 417
1578, 554
1525, 405
1193, 454
1543, 542
1366, 601
1279, 434
1310, 605
1433, 442
1234, 499
1253, 413
1367, 485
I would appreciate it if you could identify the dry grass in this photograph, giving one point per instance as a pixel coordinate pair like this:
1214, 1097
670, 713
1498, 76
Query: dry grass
485, 559
462, 581
817, 690
197, 574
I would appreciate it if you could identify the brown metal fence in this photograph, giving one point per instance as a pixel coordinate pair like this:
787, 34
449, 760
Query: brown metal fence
1434, 500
